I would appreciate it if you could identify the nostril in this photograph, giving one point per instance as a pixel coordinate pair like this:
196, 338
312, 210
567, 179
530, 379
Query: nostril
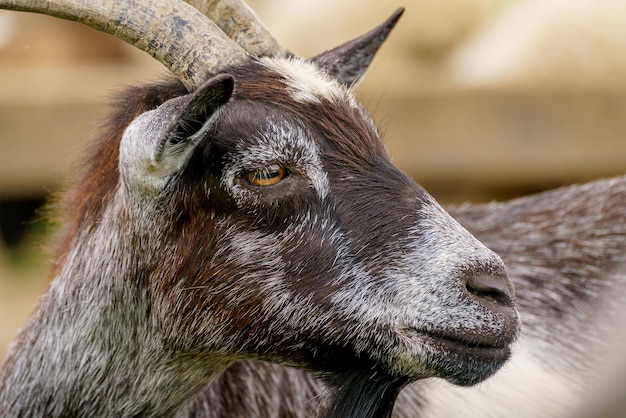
496, 289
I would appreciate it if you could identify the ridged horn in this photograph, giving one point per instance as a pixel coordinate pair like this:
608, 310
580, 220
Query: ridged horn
175, 33
242, 25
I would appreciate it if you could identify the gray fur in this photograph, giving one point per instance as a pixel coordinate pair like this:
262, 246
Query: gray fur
94, 346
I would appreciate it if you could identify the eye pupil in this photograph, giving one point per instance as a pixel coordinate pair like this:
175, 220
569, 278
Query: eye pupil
267, 176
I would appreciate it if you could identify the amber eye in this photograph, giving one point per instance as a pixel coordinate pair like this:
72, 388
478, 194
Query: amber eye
267, 176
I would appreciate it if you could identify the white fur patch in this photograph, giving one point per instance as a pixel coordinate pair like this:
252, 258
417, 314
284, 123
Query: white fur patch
307, 84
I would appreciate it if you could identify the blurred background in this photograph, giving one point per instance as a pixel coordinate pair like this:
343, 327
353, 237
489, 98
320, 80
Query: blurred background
478, 100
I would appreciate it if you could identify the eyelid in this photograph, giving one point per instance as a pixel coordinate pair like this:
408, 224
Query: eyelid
266, 176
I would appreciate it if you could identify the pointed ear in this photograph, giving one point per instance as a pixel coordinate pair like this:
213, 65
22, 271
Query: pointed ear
192, 116
158, 143
349, 61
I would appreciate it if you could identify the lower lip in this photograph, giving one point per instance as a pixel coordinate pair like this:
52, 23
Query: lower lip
464, 348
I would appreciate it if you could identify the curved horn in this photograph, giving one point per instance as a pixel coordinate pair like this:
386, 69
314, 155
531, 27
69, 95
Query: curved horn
173, 32
242, 25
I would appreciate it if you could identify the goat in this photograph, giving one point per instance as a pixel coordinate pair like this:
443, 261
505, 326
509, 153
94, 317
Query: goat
248, 210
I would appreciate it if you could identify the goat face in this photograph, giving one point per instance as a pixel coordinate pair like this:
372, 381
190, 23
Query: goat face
286, 234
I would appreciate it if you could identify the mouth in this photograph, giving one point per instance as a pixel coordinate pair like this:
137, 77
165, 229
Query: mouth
485, 349
461, 358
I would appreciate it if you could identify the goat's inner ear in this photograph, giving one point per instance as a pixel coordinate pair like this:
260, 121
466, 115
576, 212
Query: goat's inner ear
201, 106
158, 144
